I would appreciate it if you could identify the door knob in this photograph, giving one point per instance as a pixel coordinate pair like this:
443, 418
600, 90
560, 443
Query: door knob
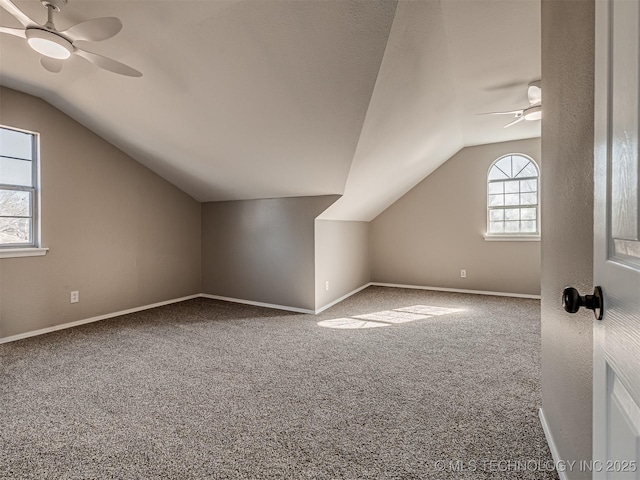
572, 301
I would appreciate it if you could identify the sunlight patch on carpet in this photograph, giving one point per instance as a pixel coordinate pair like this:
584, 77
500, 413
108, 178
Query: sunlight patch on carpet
350, 323
391, 316
388, 317
428, 310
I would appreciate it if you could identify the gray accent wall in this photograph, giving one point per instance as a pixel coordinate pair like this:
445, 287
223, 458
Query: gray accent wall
342, 259
118, 233
437, 228
567, 221
262, 250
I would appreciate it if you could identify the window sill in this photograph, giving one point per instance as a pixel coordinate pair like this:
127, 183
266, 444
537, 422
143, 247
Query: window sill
22, 252
511, 238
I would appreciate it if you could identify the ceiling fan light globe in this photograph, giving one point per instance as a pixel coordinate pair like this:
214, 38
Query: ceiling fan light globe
49, 49
533, 113
49, 44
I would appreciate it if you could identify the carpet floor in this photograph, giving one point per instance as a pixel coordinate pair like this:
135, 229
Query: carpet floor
209, 389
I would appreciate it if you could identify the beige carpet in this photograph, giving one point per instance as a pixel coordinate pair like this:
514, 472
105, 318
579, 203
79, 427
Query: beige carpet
208, 389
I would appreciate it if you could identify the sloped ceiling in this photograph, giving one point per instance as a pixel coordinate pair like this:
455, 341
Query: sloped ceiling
445, 62
246, 99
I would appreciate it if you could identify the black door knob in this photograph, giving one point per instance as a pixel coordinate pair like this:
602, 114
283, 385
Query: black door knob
572, 301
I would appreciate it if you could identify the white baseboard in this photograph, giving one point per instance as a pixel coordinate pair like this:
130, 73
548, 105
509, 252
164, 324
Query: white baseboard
63, 326
250, 302
456, 290
344, 297
257, 304
552, 445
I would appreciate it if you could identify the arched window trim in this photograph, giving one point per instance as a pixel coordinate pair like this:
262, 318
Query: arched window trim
513, 236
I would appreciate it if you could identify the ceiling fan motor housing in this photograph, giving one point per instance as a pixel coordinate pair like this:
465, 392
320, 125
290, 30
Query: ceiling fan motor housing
49, 43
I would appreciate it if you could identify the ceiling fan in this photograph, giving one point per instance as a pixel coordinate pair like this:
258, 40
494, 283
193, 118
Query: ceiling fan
57, 46
532, 112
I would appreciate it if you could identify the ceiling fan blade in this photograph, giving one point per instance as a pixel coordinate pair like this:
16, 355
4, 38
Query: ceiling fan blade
517, 120
108, 63
534, 92
94, 30
53, 65
9, 6
16, 32
512, 112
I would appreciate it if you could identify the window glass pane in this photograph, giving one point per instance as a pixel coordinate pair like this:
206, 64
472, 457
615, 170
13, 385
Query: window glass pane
528, 198
496, 187
528, 185
519, 165
15, 203
513, 183
512, 227
15, 230
496, 227
529, 171
511, 187
512, 214
496, 200
528, 213
513, 199
504, 164
16, 144
15, 172
496, 174
496, 215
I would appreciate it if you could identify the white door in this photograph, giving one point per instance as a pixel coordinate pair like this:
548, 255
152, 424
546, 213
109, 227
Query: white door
616, 383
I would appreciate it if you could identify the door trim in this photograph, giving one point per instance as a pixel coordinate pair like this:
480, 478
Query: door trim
552, 445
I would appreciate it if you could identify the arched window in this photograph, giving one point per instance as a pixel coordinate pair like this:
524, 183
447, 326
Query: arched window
512, 197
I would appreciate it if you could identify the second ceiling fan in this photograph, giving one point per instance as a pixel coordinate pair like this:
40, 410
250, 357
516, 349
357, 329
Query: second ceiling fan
532, 112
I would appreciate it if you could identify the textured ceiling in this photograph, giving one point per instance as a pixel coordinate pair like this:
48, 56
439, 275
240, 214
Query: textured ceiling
258, 98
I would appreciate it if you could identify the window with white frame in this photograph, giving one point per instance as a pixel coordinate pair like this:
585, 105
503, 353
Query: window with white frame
18, 188
512, 197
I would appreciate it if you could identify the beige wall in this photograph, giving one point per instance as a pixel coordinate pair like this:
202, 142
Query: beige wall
118, 233
262, 250
567, 222
436, 229
342, 258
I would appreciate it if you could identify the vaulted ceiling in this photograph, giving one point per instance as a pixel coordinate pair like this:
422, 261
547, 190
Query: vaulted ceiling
244, 99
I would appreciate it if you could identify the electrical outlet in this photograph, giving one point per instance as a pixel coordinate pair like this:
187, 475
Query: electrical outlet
326, 285
463, 273
75, 297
